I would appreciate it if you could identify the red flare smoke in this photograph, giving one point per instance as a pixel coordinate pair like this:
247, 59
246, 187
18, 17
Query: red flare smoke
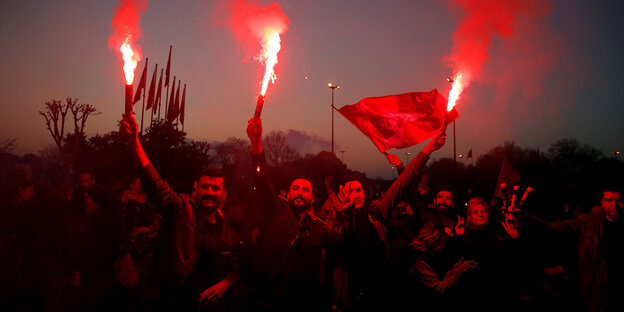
126, 31
483, 20
258, 30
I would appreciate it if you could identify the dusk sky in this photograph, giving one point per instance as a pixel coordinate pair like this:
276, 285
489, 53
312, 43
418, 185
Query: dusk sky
559, 75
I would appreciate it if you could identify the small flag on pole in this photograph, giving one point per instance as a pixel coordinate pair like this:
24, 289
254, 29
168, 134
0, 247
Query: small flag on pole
508, 175
176, 106
171, 102
182, 105
152, 89
168, 69
142, 82
159, 92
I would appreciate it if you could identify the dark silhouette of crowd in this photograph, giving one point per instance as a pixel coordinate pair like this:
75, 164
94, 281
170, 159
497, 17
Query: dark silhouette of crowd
245, 241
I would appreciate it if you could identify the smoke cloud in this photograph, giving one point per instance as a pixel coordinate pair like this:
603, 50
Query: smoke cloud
510, 49
252, 24
125, 25
483, 21
305, 143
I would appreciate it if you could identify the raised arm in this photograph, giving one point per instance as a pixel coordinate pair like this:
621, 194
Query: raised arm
156, 188
399, 187
266, 195
396, 162
565, 226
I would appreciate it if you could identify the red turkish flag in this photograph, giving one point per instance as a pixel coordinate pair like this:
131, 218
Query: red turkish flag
399, 121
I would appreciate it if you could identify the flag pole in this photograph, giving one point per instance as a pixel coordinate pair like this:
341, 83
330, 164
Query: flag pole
154, 98
455, 151
152, 115
454, 144
176, 120
168, 71
166, 104
142, 110
159, 103
183, 106
159, 93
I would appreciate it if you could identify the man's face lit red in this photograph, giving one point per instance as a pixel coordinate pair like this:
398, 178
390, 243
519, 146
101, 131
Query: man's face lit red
300, 194
444, 201
613, 205
86, 181
210, 193
478, 216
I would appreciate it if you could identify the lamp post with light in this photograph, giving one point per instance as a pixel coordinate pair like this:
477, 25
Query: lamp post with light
407, 158
333, 87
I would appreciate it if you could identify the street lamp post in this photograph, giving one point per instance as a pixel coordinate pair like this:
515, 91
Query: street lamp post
407, 160
333, 87
454, 144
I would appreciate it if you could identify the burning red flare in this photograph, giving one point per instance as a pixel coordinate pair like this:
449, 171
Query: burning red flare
458, 87
130, 59
254, 24
125, 24
270, 48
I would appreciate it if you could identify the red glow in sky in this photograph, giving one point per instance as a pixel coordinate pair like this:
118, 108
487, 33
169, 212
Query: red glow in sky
258, 28
484, 20
554, 73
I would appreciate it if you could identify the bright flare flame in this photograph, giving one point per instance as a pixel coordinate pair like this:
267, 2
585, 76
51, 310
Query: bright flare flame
130, 61
268, 55
456, 90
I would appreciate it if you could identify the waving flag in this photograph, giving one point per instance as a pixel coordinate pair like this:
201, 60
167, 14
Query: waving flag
399, 121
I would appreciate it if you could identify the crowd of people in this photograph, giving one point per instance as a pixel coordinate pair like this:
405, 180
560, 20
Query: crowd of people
149, 248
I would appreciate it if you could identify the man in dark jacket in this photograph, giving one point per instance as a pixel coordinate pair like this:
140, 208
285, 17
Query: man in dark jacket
286, 256
199, 248
600, 237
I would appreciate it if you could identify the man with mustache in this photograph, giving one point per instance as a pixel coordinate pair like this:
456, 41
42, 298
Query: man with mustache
199, 252
600, 237
444, 203
284, 258
442, 213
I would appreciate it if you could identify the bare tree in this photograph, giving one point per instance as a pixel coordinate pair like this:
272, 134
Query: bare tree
277, 151
202, 148
81, 113
232, 152
55, 115
8, 145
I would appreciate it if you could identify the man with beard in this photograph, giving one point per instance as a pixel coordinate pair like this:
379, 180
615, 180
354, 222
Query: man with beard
199, 251
285, 257
443, 214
